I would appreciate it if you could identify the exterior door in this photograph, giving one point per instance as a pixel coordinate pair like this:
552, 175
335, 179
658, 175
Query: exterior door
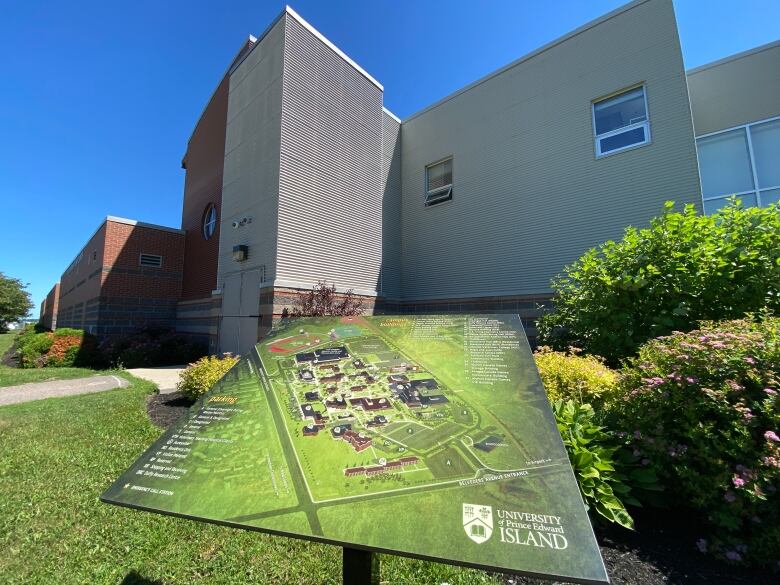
240, 312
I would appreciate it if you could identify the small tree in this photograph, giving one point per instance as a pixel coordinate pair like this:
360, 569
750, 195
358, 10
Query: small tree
15, 301
323, 300
682, 269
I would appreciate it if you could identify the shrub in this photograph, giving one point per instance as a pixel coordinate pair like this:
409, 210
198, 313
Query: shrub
683, 269
605, 472
584, 379
702, 409
63, 348
32, 347
150, 347
201, 376
323, 300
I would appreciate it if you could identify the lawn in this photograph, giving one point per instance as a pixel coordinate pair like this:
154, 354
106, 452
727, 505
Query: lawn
13, 376
59, 454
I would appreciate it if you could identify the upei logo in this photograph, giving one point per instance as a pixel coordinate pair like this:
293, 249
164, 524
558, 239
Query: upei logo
478, 522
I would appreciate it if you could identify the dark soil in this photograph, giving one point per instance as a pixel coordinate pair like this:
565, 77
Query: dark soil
165, 409
9, 358
661, 551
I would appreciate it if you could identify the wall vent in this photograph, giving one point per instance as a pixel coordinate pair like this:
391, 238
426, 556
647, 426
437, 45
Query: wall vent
150, 260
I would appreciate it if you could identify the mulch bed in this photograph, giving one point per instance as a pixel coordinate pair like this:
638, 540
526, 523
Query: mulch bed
165, 409
660, 551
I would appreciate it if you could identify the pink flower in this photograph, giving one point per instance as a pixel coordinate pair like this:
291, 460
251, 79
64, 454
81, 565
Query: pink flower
770, 391
771, 436
733, 555
737, 481
749, 360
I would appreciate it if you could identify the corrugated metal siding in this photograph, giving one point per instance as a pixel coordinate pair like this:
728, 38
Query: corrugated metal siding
737, 91
391, 208
529, 195
250, 185
330, 223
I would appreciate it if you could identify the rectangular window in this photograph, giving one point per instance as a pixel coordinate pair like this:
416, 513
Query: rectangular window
621, 121
151, 260
438, 182
741, 161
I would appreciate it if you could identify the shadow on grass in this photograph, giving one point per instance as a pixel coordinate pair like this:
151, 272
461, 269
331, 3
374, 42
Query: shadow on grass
135, 578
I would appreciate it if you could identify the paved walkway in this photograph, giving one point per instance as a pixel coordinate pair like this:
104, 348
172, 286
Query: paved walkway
165, 377
57, 388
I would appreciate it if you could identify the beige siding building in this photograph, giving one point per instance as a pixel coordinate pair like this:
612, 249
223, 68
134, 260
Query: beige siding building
736, 113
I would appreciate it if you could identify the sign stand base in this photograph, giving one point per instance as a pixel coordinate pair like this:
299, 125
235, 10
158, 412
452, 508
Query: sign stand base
360, 567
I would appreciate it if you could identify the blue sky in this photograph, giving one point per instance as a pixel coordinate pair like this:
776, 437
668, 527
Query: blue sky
98, 99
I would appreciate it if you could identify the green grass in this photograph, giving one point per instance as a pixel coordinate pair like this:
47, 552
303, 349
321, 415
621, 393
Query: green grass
59, 454
14, 376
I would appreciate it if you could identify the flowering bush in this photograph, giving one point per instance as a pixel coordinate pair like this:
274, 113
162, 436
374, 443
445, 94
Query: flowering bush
701, 409
684, 268
584, 379
201, 376
65, 347
592, 453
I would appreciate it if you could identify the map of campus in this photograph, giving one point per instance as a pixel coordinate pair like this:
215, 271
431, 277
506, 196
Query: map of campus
421, 435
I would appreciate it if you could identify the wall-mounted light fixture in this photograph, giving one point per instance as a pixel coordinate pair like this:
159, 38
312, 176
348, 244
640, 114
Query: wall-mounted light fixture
240, 253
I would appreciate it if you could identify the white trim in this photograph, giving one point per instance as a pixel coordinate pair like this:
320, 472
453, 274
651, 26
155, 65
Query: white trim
772, 119
335, 49
756, 190
153, 226
734, 57
289, 11
532, 54
391, 114
617, 131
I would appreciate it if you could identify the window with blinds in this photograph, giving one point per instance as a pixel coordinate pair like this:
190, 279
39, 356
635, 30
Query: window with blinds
438, 182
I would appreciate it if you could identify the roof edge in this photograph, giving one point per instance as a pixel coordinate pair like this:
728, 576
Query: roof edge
133, 222
571, 34
391, 114
734, 57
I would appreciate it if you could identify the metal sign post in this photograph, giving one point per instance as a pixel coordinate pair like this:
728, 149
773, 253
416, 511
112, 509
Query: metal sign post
360, 567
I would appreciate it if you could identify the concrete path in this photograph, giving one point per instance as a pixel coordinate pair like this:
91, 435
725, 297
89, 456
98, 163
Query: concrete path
165, 377
57, 388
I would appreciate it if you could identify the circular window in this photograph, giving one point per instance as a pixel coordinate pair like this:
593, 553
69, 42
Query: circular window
209, 221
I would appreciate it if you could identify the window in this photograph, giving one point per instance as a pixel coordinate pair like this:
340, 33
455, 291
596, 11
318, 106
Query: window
438, 182
152, 260
621, 122
742, 161
209, 221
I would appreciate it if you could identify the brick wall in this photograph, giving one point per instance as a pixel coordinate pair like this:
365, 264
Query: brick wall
81, 282
131, 295
49, 308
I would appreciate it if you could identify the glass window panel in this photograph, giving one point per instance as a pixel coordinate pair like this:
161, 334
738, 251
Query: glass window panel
724, 164
628, 138
619, 111
440, 175
766, 152
769, 197
713, 205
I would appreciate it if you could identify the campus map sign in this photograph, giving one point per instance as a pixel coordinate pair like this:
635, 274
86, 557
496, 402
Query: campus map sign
427, 436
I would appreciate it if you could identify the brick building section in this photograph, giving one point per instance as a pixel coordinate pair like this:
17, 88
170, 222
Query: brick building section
198, 312
108, 292
49, 306
203, 162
